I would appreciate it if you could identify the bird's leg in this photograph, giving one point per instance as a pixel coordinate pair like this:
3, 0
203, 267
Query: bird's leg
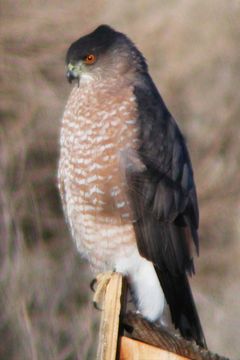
99, 285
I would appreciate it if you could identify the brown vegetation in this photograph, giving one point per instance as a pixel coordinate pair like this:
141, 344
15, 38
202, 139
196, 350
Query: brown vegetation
193, 52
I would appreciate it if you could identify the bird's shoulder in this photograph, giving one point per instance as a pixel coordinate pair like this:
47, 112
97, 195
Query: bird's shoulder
162, 147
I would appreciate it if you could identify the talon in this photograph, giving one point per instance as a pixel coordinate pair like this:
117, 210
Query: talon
95, 304
92, 284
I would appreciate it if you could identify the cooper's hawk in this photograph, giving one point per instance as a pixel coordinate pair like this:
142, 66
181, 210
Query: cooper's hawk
126, 179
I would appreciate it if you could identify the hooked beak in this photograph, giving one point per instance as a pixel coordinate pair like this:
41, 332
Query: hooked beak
74, 72
70, 76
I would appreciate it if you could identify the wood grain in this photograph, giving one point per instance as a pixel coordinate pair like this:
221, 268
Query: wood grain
145, 340
135, 350
142, 330
109, 328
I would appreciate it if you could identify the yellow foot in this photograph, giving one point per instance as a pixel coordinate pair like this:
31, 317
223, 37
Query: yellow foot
100, 284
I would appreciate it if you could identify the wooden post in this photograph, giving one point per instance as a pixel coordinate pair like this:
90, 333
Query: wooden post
109, 327
144, 340
135, 350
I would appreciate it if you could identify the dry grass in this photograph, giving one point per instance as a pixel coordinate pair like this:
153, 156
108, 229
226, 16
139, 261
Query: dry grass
193, 52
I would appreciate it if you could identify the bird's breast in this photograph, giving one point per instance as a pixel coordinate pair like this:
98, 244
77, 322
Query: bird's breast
99, 128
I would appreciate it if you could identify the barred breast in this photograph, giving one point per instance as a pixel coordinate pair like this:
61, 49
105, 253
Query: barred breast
99, 132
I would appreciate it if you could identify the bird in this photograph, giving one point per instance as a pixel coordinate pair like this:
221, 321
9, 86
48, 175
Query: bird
126, 180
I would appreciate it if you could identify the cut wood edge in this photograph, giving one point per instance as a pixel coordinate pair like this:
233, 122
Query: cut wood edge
109, 327
146, 341
136, 350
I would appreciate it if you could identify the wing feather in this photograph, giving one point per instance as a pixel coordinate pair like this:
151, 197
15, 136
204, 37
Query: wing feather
164, 203
163, 194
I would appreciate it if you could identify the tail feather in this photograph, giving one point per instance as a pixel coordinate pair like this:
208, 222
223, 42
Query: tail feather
182, 307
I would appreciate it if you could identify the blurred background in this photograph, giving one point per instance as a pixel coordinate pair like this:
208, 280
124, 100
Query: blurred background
192, 48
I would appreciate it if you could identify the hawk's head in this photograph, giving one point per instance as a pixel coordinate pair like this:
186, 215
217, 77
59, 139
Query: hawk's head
103, 53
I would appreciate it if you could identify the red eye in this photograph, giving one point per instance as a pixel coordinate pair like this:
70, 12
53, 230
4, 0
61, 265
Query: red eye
90, 59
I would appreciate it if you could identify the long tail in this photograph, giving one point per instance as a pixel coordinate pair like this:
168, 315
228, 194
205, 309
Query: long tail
182, 307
